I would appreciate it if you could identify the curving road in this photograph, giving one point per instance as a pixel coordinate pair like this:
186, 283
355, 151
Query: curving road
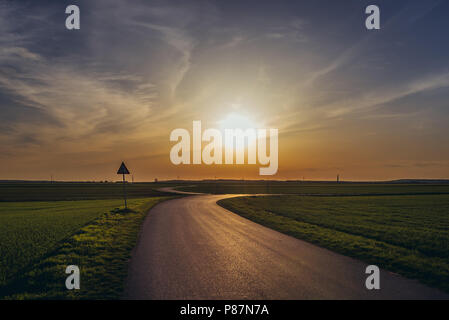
191, 248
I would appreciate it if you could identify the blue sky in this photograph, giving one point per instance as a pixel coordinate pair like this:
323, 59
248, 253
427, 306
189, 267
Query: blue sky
370, 105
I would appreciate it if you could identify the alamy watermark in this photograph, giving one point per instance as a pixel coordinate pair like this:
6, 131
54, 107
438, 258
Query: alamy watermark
373, 280
72, 22
372, 22
235, 141
73, 280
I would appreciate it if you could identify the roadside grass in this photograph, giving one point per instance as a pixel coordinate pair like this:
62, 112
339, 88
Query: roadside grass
404, 234
100, 248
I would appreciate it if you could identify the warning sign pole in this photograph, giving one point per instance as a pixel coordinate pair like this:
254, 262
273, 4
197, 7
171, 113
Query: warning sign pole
123, 170
124, 190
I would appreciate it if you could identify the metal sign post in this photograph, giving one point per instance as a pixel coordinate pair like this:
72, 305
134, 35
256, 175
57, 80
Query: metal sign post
123, 170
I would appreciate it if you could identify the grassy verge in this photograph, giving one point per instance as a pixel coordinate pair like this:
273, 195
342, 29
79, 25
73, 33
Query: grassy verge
101, 249
404, 234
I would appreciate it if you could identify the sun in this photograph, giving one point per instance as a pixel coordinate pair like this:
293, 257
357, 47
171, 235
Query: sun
237, 121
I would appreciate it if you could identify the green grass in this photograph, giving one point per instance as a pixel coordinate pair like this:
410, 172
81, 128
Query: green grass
39, 239
28, 230
314, 188
60, 191
404, 234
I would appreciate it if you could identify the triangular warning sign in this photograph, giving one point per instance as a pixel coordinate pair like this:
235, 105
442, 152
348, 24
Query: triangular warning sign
123, 169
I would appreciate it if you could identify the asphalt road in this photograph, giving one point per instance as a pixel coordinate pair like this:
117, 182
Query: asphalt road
191, 248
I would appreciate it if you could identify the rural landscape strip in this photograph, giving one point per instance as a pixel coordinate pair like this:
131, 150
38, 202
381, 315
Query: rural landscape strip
63, 191
101, 249
403, 234
313, 188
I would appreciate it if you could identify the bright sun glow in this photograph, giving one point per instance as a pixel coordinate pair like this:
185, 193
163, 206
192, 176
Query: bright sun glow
236, 121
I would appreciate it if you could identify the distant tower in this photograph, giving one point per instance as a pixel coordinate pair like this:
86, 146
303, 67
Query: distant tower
338, 178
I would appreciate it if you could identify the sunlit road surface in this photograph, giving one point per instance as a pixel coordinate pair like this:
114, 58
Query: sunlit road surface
191, 248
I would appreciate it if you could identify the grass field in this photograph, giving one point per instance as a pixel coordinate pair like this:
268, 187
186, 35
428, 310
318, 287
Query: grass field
29, 230
314, 188
59, 191
405, 234
46, 226
39, 239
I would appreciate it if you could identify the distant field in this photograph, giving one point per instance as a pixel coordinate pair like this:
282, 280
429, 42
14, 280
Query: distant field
39, 239
306, 188
60, 191
405, 234
57, 191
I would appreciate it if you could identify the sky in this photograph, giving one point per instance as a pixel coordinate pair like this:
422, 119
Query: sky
365, 104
